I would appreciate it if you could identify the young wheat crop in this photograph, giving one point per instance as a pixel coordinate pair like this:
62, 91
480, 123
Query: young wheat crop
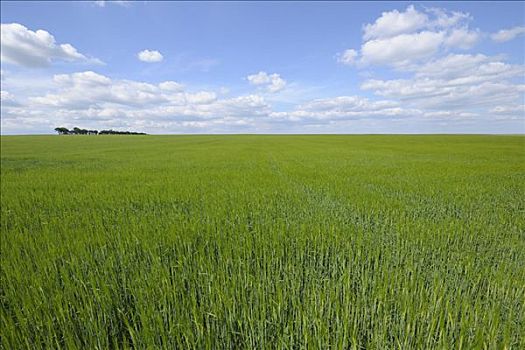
255, 242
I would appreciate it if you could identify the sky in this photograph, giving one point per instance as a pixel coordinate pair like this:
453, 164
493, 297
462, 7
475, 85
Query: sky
263, 67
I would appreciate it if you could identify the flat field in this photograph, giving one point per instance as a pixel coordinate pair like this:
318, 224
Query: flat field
255, 242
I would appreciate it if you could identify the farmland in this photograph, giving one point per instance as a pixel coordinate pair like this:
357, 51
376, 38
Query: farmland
286, 242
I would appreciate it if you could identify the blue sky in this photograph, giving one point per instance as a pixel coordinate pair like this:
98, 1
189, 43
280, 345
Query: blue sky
264, 67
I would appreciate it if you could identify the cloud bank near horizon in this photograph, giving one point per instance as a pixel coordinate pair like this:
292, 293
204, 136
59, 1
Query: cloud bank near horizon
435, 77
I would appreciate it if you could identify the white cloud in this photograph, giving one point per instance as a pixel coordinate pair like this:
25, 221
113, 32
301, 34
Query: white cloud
441, 94
518, 109
92, 100
446, 19
201, 97
348, 57
462, 38
171, 86
394, 23
344, 108
455, 82
7, 99
449, 115
102, 3
150, 56
441, 84
88, 78
402, 49
272, 82
5, 95
24, 47
347, 103
399, 38
508, 34
465, 68
84, 89
259, 78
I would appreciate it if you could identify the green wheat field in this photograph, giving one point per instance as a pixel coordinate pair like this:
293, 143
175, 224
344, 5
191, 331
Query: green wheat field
263, 242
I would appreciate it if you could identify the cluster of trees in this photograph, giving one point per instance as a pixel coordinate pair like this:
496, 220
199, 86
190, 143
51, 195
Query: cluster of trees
75, 131
114, 132
78, 131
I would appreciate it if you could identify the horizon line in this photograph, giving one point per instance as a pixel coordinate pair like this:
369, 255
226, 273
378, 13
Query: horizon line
286, 134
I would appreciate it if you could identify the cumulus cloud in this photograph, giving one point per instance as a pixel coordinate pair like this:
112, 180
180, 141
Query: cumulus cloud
401, 38
442, 18
468, 68
393, 23
462, 38
93, 100
455, 82
88, 78
102, 3
24, 47
201, 97
348, 57
402, 49
150, 56
272, 82
171, 86
441, 94
7, 99
344, 108
516, 110
88, 89
508, 34
437, 81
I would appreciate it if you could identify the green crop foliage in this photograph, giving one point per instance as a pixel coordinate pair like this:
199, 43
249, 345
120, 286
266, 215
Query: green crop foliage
263, 242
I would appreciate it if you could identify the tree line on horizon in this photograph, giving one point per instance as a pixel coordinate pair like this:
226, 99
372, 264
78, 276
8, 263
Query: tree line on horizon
78, 131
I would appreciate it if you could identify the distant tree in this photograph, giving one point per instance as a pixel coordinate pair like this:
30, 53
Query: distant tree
62, 130
78, 131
